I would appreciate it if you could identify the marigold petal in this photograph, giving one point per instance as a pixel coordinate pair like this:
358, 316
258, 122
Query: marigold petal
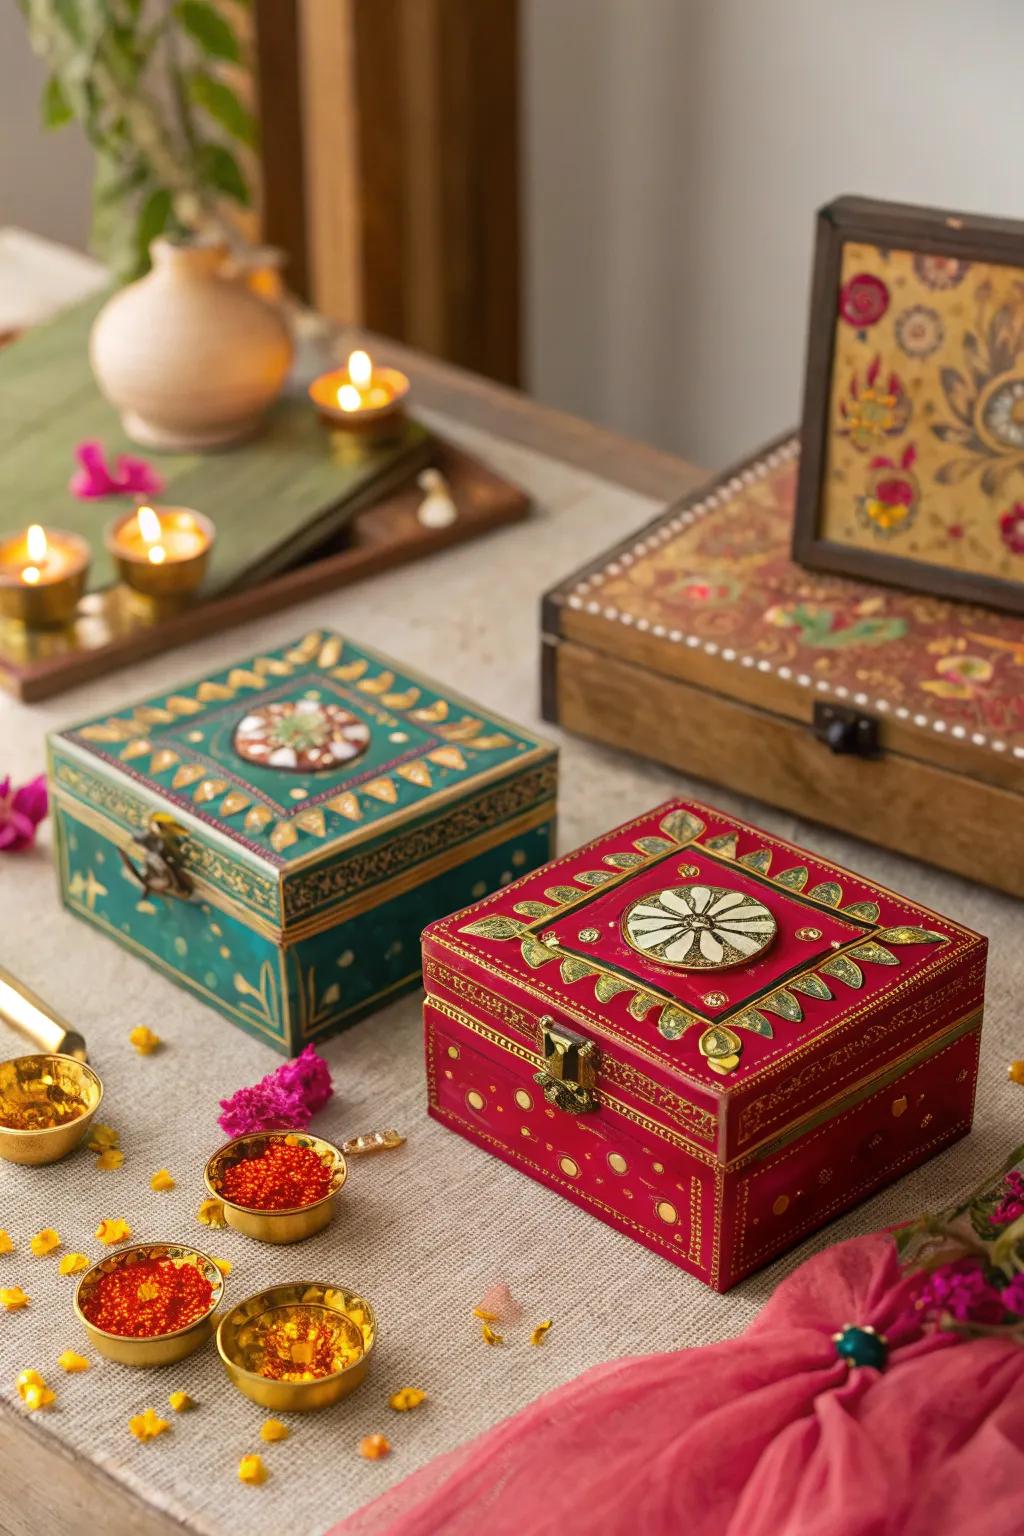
110, 1157
26, 1379
101, 1137
72, 1362
144, 1040
73, 1263
147, 1425
211, 1213
148, 1290
113, 1229
489, 1336
273, 1429
538, 1334
252, 1471
45, 1242
180, 1402
162, 1180
406, 1398
374, 1447
224, 1265
485, 1316
13, 1298
6, 1245
38, 1397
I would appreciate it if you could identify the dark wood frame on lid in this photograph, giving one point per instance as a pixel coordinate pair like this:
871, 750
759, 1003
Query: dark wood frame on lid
904, 227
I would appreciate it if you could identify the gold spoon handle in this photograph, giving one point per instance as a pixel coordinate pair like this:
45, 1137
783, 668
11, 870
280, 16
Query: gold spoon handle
30, 1016
375, 1141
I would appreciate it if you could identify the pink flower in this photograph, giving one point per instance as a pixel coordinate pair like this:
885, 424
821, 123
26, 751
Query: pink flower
286, 1099
130, 476
21, 811
1011, 527
1012, 1204
863, 300
1012, 1296
960, 1290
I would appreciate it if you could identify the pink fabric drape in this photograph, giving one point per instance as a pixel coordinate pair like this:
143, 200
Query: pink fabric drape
769, 1434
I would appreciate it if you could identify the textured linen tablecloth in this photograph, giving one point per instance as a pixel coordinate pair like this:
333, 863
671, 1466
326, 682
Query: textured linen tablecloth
424, 1230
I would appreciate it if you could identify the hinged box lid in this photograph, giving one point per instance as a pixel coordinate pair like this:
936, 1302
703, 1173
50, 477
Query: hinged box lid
302, 781
752, 982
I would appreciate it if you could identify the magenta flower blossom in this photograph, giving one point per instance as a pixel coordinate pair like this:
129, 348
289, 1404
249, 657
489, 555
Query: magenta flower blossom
21, 811
1012, 1204
285, 1100
94, 477
1012, 1296
960, 1291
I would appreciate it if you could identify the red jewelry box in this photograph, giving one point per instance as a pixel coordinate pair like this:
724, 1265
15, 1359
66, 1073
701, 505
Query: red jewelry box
708, 1037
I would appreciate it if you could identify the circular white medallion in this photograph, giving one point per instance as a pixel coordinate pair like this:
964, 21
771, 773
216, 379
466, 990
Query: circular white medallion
699, 927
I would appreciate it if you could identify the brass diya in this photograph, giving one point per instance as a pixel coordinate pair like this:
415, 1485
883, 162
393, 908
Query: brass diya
277, 1226
47, 1103
294, 1348
160, 1348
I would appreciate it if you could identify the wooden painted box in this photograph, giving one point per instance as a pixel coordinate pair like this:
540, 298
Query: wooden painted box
275, 835
709, 1038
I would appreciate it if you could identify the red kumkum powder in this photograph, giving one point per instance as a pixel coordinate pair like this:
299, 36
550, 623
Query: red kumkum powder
284, 1177
143, 1300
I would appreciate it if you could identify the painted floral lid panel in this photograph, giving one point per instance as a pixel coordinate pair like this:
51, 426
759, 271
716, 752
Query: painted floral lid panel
703, 943
293, 750
713, 582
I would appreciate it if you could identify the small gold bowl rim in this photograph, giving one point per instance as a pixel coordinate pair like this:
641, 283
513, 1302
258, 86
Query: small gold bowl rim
118, 552
318, 1143
398, 381
65, 1125
154, 1250
289, 1293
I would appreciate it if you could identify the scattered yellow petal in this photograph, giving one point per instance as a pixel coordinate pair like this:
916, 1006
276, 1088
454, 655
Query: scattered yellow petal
6, 1246
537, 1336
374, 1447
406, 1398
110, 1157
211, 1213
113, 1230
485, 1316
144, 1040
161, 1180
489, 1336
28, 1379
180, 1402
252, 1471
1015, 1071
147, 1425
73, 1264
273, 1429
12, 1298
72, 1362
45, 1242
101, 1137
33, 1391
148, 1291
224, 1265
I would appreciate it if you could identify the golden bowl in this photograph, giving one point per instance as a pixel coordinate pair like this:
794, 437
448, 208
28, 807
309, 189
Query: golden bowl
267, 1344
163, 1348
47, 1103
285, 1226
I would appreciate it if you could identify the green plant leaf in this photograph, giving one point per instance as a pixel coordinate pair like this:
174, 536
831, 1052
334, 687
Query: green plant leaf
219, 170
56, 108
153, 219
209, 29
220, 101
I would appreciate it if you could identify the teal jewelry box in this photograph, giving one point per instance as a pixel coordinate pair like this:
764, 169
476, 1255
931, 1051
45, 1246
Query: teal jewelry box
276, 835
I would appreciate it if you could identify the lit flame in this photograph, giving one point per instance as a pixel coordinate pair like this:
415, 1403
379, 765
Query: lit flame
35, 542
30, 575
349, 398
360, 369
149, 529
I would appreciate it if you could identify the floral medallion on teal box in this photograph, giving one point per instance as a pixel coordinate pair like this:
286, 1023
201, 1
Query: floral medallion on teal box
275, 835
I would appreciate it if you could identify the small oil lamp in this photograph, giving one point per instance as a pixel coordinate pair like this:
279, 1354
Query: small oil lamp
42, 576
361, 397
161, 552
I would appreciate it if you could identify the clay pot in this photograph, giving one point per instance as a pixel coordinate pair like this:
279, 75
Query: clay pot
190, 356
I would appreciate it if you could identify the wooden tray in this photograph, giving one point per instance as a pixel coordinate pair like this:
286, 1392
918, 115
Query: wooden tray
112, 633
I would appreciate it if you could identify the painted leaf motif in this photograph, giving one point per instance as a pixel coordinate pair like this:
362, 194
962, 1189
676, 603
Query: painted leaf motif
641, 1005
793, 879
607, 987
844, 969
828, 893
534, 909
672, 1022
866, 910
624, 860
536, 954
754, 1020
719, 1041
652, 844
575, 970
562, 893
494, 928
682, 825
594, 876
723, 843
760, 860
910, 936
784, 1004
811, 985
874, 954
